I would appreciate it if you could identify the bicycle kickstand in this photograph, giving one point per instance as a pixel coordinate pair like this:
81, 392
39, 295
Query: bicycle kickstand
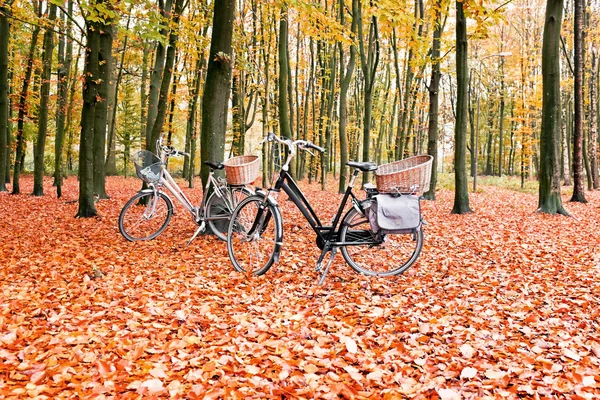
326, 269
200, 229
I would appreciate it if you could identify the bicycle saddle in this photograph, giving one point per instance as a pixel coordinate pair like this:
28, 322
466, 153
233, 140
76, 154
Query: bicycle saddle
363, 166
214, 165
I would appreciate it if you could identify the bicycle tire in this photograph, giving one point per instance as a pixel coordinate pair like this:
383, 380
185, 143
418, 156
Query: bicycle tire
140, 219
217, 207
254, 253
372, 256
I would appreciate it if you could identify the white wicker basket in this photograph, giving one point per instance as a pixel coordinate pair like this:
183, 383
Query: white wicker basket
242, 170
411, 175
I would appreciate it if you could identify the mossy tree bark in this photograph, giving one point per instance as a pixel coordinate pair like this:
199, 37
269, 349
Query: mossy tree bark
101, 112
369, 62
434, 98
65, 55
217, 86
461, 194
345, 79
40, 145
554, 25
4, 125
549, 175
163, 94
20, 137
87, 207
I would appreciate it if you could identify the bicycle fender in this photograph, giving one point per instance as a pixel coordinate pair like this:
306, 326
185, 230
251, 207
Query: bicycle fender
278, 227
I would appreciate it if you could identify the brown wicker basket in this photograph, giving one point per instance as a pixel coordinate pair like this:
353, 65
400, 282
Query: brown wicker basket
411, 175
241, 170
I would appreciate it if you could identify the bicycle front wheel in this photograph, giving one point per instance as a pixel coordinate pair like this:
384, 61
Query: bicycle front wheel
145, 216
254, 232
368, 254
220, 208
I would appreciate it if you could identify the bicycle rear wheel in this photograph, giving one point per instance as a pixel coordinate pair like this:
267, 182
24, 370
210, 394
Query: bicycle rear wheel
367, 254
219, 209
254, 232
145, 216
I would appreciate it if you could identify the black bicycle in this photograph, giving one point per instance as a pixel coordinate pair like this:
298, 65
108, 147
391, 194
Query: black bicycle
255, 234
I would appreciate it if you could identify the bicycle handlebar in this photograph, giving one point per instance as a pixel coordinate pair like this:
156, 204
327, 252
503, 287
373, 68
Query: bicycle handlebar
301, 144
169, 150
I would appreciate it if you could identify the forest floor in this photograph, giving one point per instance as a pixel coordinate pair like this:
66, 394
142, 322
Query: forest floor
502, 303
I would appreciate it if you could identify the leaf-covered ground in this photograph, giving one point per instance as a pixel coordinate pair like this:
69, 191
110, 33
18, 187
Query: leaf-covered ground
502, 303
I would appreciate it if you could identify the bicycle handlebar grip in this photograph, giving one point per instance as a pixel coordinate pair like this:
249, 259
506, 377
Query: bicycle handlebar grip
314, 146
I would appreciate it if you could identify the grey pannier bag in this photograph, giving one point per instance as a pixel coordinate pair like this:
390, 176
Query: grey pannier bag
400, 214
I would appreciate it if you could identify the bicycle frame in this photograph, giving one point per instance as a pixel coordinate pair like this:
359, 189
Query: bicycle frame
167, 181
327, 235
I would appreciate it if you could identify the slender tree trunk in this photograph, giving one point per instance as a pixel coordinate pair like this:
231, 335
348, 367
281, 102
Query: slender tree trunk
569, 143
65, 54
111, 159
549, 175
434, 99
369, 63
284, 116
69, 129
144, 95
330, 102
501, 125
461, 194
217, 86
592, 127
5, 14
174, 84
578, 189
40, 146
163, 95
156, 77
191, 133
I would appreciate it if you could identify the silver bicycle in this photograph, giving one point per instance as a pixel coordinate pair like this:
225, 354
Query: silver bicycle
147, 214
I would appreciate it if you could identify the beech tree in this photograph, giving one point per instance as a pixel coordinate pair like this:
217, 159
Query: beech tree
4, 131
217, 86
549, 191
461, 193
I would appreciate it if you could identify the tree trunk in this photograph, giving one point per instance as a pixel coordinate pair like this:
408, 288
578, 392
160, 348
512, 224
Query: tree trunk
549, 174
40, 146
434, 99
501, 125
65, 54
91, 75
578, 189
191, 132
111, 159
217, 86
5, 13
161, 110
101, 113
369, 63
144, 95
329, 118
156, 76
461, 194
593, 132
284, 116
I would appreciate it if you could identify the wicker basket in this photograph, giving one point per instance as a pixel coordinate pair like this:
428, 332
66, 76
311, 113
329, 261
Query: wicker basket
147, 166
411, 175
241, 170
